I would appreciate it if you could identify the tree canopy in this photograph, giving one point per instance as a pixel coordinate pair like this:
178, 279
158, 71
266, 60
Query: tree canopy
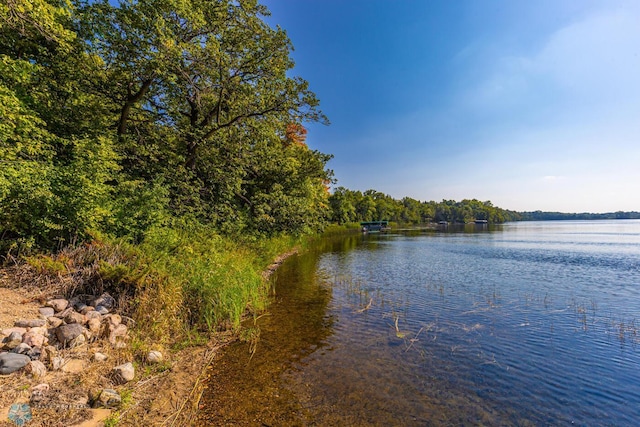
355, 206
117, 117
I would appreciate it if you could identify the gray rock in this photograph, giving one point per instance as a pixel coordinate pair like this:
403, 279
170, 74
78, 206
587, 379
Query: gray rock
66, 333
57, 304
108, 398
124, 373
30, 323
47, 311
12, 362
22, 348
102, 309
35, 353
105, 300
12, 341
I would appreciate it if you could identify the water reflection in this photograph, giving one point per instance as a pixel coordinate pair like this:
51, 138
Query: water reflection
530, 324
245, 386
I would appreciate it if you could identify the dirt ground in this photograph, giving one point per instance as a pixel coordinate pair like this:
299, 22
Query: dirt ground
169, 397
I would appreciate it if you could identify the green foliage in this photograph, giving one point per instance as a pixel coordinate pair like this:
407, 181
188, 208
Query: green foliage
353, 206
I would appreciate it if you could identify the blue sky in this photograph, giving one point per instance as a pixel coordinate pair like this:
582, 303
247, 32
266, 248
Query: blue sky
530, 104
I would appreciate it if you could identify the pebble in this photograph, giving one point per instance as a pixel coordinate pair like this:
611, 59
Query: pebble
92, 314
39, 392
55, 321
116, 332
47, 311
12, 362
105, 300
100, 357
58, 304
154, 356
22, 348
12, 341
74, 317
123, 373
66, 333
36, 369
108, 398
102, 309
30, 323
35, 337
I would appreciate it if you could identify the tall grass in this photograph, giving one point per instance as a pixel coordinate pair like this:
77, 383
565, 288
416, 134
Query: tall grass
178, 280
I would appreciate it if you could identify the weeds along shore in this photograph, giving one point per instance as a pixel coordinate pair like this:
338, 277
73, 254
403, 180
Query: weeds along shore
186, 289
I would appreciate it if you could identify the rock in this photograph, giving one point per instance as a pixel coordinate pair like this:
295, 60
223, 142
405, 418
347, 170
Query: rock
36, 369
57, 363
39, 392
74, 366
116, 332
57, 304
66, 333
8, 331
86, 309
64, 313
102, 309
30, 323
108, 398
113, 319
80, 306
78, 341
54, 321
22, 348
105, 300
92, 314
123, 373
12, 362
128, 321
74, 317
47, 311
95, 326
99, 357
12, 341
35, 353
35, 337
154, 356
48, 354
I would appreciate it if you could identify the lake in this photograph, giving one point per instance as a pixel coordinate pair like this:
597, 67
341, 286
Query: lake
530, 323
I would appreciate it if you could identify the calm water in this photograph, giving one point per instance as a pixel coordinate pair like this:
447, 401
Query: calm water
528, 324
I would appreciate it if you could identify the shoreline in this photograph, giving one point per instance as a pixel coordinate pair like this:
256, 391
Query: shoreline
169, 397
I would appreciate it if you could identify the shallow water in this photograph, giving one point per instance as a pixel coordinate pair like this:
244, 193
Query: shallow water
526, 324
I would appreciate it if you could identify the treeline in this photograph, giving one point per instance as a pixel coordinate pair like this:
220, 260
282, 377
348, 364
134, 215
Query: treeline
354, 206
552, 216
117, 118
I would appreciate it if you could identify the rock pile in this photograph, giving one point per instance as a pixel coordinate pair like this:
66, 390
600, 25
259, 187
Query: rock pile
32, 345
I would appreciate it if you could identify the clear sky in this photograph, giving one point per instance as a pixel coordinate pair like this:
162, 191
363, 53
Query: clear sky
534, 105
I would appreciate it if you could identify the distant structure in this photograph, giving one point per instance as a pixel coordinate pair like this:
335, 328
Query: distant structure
374, 226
